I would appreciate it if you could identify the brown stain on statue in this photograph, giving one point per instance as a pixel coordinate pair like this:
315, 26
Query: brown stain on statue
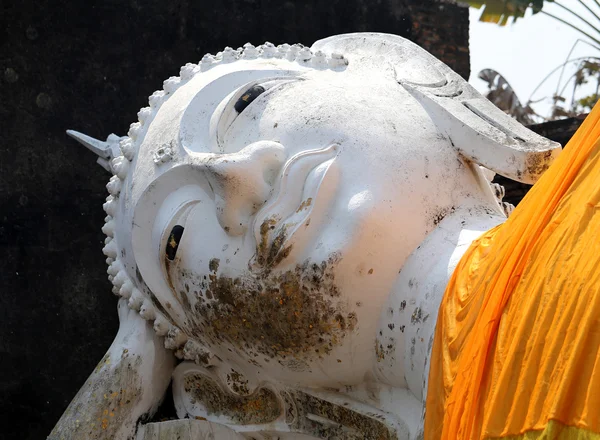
537, 164
104, 405
344, 422
263, 245
305, 204
269, 255
260, 407
297, 313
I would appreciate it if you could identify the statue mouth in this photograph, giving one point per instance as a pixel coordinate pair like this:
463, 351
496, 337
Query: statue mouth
278, 223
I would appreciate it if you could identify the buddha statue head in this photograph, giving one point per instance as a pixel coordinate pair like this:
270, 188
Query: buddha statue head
265, 205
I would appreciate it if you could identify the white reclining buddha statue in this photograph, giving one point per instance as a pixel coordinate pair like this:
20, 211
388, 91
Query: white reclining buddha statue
281, 227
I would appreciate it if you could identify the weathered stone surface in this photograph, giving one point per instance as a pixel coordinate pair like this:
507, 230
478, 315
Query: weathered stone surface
187, 430
272, 236
559, 131
89, 66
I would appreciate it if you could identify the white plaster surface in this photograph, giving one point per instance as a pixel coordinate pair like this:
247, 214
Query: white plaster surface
320, 226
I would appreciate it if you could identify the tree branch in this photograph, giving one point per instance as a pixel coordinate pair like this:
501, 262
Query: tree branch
553, 71
570, 11
595, 40
579, 40
589, 9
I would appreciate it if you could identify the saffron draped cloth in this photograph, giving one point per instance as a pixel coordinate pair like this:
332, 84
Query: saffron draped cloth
516, 352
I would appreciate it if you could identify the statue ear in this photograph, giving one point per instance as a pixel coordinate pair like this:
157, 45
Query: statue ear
478, 130
483, 133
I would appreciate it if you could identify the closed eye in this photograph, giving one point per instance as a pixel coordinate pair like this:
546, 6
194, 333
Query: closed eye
173, 242
173, 233
247, 97
243, 98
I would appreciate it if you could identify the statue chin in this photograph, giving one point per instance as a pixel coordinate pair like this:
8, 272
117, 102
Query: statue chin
282, 223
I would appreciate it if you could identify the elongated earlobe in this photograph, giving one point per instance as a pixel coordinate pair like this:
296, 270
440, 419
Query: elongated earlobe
483, 133
478, 130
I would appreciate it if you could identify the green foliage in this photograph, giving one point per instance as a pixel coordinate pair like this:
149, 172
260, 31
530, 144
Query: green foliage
499, 11
588, 70
505, 98
586, 104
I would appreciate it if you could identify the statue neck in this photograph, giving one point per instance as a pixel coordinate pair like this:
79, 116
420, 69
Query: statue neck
418, 291
423, 281
407, 323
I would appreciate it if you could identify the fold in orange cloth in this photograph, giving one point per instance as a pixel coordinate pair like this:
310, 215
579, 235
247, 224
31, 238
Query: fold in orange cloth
516, 349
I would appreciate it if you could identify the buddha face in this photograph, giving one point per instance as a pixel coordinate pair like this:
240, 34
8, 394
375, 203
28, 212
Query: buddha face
271, 207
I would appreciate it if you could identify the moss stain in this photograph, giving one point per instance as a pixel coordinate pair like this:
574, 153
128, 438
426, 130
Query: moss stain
297, 313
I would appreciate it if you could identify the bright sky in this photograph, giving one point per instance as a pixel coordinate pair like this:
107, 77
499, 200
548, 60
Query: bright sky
526, 51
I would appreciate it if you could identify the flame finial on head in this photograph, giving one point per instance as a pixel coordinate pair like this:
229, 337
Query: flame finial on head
106, 150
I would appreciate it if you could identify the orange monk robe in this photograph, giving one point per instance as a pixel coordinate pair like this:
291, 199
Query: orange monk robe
516, 353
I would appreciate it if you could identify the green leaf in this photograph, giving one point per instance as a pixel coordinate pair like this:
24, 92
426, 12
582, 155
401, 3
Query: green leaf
500, 11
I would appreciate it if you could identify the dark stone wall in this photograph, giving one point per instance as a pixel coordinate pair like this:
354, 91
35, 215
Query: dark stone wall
90, 65
442, 28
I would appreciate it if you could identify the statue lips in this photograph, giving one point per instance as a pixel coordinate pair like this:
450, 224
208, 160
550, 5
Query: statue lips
279, 222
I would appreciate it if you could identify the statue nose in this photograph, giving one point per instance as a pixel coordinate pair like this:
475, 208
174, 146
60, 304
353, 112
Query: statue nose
243, 182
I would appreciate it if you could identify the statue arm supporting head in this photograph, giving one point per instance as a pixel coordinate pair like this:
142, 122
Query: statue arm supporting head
127, 385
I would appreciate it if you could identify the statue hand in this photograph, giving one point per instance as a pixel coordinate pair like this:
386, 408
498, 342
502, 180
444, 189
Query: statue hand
127, 385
